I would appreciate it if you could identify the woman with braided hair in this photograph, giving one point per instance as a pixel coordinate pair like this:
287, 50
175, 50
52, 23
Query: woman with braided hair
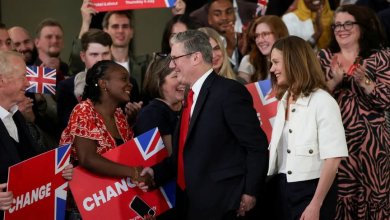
97, 125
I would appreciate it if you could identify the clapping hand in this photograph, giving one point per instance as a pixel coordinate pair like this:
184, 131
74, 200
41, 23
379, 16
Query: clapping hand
337, 73
145, 182
360, 74
131, 111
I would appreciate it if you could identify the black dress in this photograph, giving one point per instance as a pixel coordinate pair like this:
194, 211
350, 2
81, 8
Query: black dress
158, 114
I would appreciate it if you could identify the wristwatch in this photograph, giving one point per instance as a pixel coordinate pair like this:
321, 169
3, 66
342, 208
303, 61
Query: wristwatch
368, 81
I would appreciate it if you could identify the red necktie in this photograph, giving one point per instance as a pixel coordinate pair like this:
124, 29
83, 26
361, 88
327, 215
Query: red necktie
185, 121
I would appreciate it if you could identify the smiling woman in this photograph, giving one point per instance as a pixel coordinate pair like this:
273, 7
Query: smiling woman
97, 125
163, 111
262, 36
357, 72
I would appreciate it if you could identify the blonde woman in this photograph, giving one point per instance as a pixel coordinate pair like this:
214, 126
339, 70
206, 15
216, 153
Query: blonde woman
221, 63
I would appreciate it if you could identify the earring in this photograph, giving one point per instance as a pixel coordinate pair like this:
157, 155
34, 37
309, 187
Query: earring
105, 89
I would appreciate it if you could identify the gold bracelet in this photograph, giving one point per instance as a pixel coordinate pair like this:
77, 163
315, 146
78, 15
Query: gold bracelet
368, 82
136, 174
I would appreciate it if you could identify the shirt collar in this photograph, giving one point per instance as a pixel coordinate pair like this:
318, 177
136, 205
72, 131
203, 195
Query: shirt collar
4, 113
302, 100
198, 84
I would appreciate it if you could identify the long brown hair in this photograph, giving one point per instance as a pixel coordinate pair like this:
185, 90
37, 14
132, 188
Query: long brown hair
256, 58
303, 70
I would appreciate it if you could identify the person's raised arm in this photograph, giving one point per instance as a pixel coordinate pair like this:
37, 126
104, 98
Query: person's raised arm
86, 13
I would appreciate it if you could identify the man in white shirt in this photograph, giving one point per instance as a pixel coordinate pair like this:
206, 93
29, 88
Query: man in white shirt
16, 142
219, 151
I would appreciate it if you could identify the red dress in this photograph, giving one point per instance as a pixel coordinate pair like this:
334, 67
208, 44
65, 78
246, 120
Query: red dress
86, 122
364, 176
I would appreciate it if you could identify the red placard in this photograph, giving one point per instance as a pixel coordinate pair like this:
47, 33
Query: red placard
38, 186
118, 198
114, 5
265, 103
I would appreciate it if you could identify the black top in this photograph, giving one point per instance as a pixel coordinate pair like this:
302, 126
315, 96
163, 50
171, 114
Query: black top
119, 141
156, 114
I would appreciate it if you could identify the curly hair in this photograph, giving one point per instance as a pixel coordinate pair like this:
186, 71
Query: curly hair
372, 36
98, 71
256, 58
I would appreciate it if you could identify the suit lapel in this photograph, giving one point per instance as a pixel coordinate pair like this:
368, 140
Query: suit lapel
204, 91
8, 144
19, 120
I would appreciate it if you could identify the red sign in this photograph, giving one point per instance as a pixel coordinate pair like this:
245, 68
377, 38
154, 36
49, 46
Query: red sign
38, 187
265, 103
115, 5
118, 198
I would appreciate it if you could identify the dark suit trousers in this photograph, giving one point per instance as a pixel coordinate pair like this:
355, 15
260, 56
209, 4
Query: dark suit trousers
293, 198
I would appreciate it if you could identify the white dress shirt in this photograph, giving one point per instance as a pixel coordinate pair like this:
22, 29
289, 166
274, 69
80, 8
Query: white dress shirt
9, 122
197, 87
316, 133
234, 58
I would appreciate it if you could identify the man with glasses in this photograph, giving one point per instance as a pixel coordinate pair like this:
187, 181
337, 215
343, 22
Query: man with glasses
219, 152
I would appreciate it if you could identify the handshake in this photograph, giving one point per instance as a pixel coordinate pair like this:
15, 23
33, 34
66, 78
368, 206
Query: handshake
145, 179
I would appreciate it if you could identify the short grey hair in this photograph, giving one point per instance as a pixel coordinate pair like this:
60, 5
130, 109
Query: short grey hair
6, 67
195, 41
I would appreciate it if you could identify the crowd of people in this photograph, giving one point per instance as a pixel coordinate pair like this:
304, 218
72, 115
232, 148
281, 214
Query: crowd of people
329, 64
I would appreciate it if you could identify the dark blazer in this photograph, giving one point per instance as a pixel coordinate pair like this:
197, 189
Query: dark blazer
225, 154
8, 153
245, 9
66, 101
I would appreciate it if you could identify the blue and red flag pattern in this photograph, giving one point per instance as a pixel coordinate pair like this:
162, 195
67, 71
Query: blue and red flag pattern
265, 103
95, 195
261, 7
38, 186
42, 80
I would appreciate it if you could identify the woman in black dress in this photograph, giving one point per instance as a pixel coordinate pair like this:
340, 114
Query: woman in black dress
164, 110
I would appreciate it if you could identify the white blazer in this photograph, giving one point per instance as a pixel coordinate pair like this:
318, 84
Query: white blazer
316, 133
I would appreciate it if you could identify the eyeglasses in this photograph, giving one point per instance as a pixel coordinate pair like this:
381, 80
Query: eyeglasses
265, 35
347, 26
162, 55
173, 59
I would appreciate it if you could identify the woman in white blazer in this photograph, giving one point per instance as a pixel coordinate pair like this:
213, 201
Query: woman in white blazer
308, 138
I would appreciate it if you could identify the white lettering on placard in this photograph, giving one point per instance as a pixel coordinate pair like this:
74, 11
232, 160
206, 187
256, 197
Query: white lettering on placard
103, 196
25, 199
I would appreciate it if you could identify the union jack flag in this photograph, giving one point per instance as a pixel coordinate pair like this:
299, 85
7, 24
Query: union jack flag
42, 80
52, 204
62, 160
149, 144
265, 103
261, 7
